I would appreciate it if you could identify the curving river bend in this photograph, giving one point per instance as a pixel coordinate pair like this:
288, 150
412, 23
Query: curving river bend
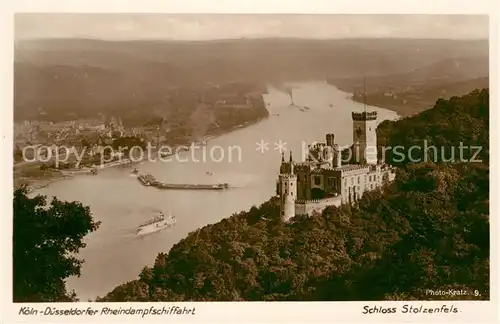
114, 255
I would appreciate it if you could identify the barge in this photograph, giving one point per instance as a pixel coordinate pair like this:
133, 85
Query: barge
218, 186
150, 181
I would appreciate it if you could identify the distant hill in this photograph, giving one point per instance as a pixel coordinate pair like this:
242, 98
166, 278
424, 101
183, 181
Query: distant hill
427, 230
63, 91
64, 77
411, 92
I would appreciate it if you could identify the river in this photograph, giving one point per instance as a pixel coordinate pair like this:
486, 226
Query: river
114, 255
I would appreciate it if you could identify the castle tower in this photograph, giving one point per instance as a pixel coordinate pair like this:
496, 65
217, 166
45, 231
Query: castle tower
337, 156
330, 140
334, 151
288, 190
365, 137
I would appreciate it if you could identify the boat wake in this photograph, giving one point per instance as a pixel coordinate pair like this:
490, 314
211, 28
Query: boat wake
134, 236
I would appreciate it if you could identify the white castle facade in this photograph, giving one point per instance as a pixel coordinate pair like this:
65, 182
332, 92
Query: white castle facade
322, 180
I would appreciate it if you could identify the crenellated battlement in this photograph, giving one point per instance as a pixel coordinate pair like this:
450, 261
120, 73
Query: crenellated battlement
288, 176
315, 201
304, 167
364, 116
352, 167
307, 201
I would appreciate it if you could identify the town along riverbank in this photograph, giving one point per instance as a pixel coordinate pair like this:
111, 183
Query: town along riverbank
225, 116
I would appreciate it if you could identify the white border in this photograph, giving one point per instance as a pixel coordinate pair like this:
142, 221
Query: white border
248, 312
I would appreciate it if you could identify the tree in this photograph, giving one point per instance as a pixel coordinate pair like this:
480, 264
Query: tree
45, 241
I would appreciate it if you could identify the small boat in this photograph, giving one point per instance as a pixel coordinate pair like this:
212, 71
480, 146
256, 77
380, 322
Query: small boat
156, 224
209, 173
146, 180
93, 171
165, 154
135, 171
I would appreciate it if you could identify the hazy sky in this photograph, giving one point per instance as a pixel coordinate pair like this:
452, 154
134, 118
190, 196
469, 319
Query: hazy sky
201, 27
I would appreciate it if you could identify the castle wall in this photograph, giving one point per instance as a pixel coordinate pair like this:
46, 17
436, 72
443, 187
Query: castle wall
365, 179
303, 185
353, 182
307, 207
327, 180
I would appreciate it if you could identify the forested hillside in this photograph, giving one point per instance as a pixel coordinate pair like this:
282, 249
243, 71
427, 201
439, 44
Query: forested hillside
427, 230
459, 121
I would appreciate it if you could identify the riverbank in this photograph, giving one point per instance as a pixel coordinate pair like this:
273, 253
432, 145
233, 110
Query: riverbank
403, 107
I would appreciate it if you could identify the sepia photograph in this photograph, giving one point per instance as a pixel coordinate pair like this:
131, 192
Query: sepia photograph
162, 158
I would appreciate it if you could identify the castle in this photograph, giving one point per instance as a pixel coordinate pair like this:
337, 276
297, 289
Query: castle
322, 180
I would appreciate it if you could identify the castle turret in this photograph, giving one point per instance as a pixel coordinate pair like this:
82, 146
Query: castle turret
334, 154
365, 137
287, 190
337, 156
330, 140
